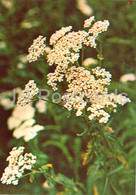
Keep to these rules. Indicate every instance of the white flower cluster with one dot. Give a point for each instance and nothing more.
(66, 52)
(84, 7)
(5, 100)
(22, 122)
(82, 87)
(99, 27)
(85, 89)
(88, 21)
(56, 36)
(19, 115)
(66, 48)
(37, 49)
(104, 103)
(89, 90)
(18, 163)
(27, 130)
(28, 93)
(128, 77)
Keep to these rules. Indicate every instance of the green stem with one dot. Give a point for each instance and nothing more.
(100, 53)
(97, 50)
(107, 142)
(78, 64)
(102, 134)
(82, 55)
(88, 125)
(105, 186)
(32, 171)
(76, 174)
(87, 129)
(52, 102)
(25, 175)
(116, 170)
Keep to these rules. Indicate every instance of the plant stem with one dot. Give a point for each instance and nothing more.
(105, 186)
(78, 64)
(52, 102)
(102, 134)
(88, 125)
(100, 60)
(25, 175)
(116, 170)
(32, 171)
(82, 55)
(97, 50)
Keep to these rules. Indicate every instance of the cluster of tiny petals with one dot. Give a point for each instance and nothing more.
(28, 93)
(67, 48)
(104, 77)
(58, 34)
(82, 86)
(99, 27)
(90, 41)
(85, 89)
(67, 51)
(100, 102)
(88, 22)
(18, 163)
(37, 49)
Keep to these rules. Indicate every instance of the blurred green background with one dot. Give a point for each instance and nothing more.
(21, 21)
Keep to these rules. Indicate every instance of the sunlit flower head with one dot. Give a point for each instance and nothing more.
(99, 27)
(18, 163)
(58, 34)
(89, 21)
(28, 93)
(37, 49)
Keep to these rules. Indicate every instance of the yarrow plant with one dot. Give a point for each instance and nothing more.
(84, 91)
(18, 163)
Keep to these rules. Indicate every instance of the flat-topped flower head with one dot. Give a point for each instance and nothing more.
(28, 93)
(58, 34)
(37, 49)
(18, 163)
(89, 92)
(99, 27)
